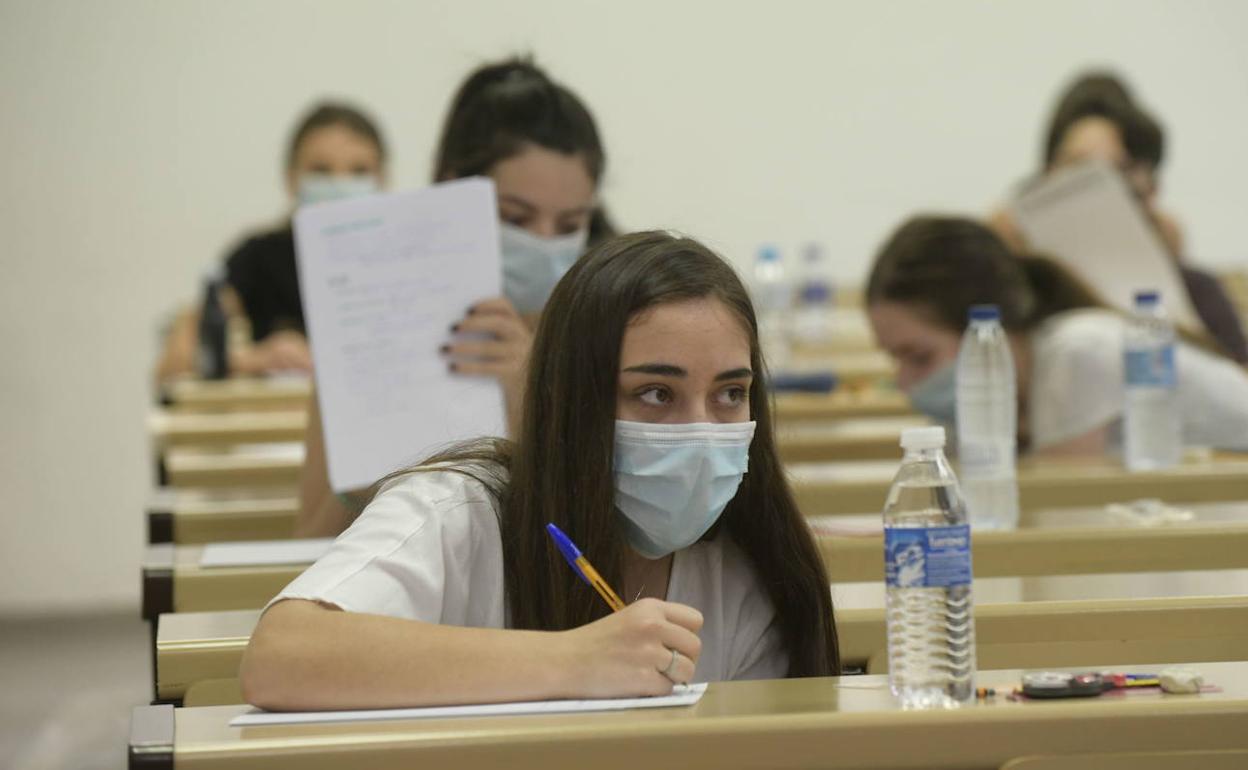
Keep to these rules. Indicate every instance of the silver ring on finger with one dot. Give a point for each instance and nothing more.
(667, 672)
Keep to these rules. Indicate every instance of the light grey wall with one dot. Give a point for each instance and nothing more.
(141, 138)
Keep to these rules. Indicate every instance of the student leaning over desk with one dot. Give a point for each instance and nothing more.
(538, 142)
(1067, 345)
(336, 151)
(645, 407)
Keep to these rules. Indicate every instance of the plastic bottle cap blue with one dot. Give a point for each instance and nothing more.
(984, 313)
(769, 254)
(1147, 297)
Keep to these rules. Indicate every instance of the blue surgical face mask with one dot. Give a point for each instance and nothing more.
(532, 265)
(319, 188)
(937, 396)
(673, 481)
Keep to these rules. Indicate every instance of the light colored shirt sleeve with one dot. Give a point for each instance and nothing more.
(417, 551)
(1076, 376)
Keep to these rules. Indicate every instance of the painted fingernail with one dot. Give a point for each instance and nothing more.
(444, 349)
(472, 309)
(452, 367)
(454, 327)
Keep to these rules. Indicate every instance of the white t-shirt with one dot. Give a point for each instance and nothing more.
(428, 548)
(1077, 384)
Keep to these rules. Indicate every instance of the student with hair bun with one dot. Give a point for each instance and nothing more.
(1067, 345)
(648, 439)
(539, 144)
(335, 151)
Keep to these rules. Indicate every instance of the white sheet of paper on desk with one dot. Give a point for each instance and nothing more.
(383, 278)
(1085, 218)
(684, 695)
(264, 553)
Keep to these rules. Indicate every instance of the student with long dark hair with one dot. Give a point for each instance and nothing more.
(538, 142)
(335, 151)
(1067, 345)
(647, 438)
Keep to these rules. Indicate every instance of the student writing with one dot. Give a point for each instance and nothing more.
(647, 438)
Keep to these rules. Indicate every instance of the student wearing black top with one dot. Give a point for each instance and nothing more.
(335, 152)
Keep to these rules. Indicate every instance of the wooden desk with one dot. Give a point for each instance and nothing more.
(854, 488)
(195, 516)
(862, 438)
(194, 647)
(174, 581)
(168, 428)
(242, 393)
(840, 404)
(244, 465)
(1067, 551)
(851, 722)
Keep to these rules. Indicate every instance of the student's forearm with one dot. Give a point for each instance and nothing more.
(305, 657)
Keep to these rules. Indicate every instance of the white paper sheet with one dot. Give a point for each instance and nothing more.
(1085, 218)
(684, 695)
(383, 278)
(262, 553)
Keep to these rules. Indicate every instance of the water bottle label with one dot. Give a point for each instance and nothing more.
(1151, 368)
(927, 557)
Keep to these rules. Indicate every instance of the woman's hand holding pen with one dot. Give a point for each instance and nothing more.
(630, 653)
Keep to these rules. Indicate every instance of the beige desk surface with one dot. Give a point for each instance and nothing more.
(840, 404)
(244, 465)
(238, 393)
(194, 647)
(859, 438)
(861, 487)
(828, 723)
(222, 515)
(1087, 541)
(802, 419)
(1054, 543)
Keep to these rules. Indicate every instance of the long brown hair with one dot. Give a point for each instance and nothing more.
(561, 465)
(505, 106)
(944, 265)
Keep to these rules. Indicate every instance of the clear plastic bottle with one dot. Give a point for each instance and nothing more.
(987, 421)
(927, 567)
(1152, 433)
(773, 299)
(213, 362)
(812, 316)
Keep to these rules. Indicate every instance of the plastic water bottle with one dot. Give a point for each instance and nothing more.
(927, 567)
(1152, 437)
(213, 363)
(987, 416)
(812, 317)
(773, 299)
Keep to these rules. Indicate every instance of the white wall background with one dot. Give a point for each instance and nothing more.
(139, 139)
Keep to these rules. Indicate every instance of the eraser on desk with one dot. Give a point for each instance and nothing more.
(1180, 680)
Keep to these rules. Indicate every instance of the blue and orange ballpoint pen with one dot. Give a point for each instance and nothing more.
(583, 568)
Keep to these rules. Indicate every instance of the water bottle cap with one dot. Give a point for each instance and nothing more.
(1147, 297)
(928, 437)
(768, 254)
(984, 313)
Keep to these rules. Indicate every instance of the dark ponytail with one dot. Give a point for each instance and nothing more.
(503, 107)
(944, 265)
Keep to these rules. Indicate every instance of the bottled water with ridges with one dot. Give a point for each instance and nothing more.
(927, 559)
(1151, 427)
(987, 414)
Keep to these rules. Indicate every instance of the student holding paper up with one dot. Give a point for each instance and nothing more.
(1067, 346)
(647, 439)
(538, 142)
